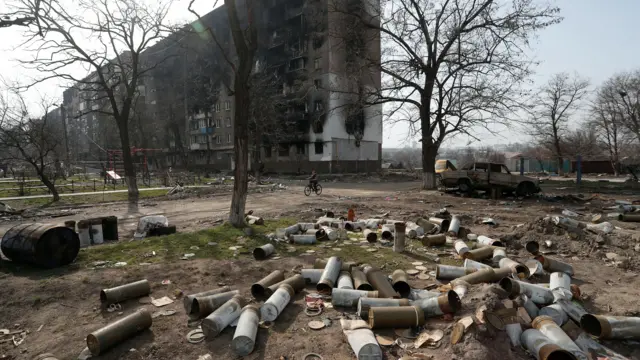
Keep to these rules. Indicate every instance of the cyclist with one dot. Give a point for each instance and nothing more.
(313, 180)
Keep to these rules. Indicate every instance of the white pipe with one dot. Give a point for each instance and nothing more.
(329, 275)
(349, 297)
(311, 276)
(538, 294)
(303, 239)
(344, 280)
(498, 254)
(551, 330)
(461, 248)
(414, 230)
(244, 338)
(272, 308)
(487, 241)
(514, 331)
(472, 264)
(332, 234)
(573, 310)
(533, 340)
(448, 272)
(454, 226)
(364, 344)
(556, 313)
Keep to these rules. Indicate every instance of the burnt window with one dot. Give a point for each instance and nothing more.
(319, 147)
(300, 149)
(283, 150)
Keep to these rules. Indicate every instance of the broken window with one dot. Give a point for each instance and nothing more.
(296, 64)
(267, 151)
(218, 140)
(202, 123)
(283, 150)
(319, 147)
(300, 149)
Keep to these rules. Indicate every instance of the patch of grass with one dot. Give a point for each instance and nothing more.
(81, 199)
(173, 247)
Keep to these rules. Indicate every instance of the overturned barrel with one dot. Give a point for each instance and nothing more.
(262, 252)
(360, 281)
(297, 282)
(365, 303)
(395, 317)
(244, 338)
(102, 339)
(611, 327)
(222, 317)
(258, 289)
(125, 292)
(202, 306)
(187, 301)
(380, 283)
(42, 245)
(448, 303)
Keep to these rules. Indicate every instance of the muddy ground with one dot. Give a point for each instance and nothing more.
(65, 302)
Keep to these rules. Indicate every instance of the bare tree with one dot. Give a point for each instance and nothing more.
(459, 63)
(241, 62)
(552, 108)
(581, 141)
(31, 139)
(607, 115)
(106, 37)
(627, 86)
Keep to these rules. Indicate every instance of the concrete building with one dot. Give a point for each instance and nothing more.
(186, 112)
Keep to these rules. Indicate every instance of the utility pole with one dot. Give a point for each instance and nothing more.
(63, 113)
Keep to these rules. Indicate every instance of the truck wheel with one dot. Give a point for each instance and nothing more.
(465, 185)
(526, 189)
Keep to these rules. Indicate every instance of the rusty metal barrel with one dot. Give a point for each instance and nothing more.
(102, 339)
(43, 245)
(110, 228)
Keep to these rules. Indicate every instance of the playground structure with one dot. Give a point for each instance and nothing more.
(115, 158)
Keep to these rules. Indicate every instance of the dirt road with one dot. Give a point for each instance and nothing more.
(194, 213)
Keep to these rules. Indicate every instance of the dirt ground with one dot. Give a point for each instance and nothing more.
(65, 302)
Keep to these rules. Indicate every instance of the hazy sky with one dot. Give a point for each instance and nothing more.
(596, 39)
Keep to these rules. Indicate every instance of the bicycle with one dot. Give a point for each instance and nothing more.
(308, 189)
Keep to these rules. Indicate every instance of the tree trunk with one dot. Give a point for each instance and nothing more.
(129, 169)
(52, 188)
(429, 149)
(560, 166)
(241, 151)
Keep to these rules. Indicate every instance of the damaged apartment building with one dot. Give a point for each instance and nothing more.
(313, 115)
(310, 112)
